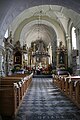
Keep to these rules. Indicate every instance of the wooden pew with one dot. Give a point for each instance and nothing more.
(8, 98)
(15, 83)
(55, 79)
(7, 82)
(70, 86)
(59, 81)
(21, 83)
(77, 90)
(18, 75)
(63, 84)
(10, 85)
(74, 89)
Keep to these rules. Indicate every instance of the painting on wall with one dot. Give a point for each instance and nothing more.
(61, 58)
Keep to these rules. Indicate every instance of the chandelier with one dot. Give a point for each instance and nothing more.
(41, 50)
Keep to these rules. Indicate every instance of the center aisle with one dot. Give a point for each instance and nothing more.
(44, 101)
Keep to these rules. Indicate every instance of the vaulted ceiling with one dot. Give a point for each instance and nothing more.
(23, 16)
(50, 21)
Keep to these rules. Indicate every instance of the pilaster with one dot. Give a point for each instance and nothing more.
(68, 41)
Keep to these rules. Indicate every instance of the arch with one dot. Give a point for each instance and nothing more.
(51, 22)
(14, 8)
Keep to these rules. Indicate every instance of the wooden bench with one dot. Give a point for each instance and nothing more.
(58, 80)
(16, 83)
(12, 91)
(11, 80)
(73, 88)
(18, 75)
(8, 100)
(70, 86)
(18, 78)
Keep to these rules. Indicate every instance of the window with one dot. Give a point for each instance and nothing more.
(6, 34)
(73, 38)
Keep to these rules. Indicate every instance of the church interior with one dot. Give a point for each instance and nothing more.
(40, 60)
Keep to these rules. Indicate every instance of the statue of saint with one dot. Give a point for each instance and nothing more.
(60, 44)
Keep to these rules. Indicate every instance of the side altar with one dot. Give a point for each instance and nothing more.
(62, 61)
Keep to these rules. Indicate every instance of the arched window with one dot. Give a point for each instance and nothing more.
(73, 38)
(6, 34)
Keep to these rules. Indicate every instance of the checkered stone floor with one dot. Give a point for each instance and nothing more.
(44, 101)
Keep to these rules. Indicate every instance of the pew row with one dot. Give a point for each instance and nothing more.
(12, 92)
(18, 75)
(8, 100)
(70, 86)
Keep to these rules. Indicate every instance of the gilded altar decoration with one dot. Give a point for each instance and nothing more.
(61, 56)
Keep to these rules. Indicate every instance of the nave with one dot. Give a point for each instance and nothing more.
(44, 101)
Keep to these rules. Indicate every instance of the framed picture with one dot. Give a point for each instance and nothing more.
(61, 58)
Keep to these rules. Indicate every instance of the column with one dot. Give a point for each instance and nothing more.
(57, 59)
(6, 62)
(68, 40)
(78, 44)
(34, 52)
(1, 55)
(0, 63)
